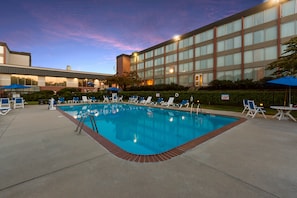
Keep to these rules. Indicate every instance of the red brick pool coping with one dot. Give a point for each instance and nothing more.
(117, 151)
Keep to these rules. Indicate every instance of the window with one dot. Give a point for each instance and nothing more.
(270, 14)
(25, 79)
(140, 57)
(141, 74)
(186, 55)
(149, 54)
(254, 73)
(159, 71)
(186, 42)
(248, 39)
(207, 78)
(204, 64)
(258, 55)
(204, 36)
(171, 79)
(204, 50)
(159, 61)
(171, 47)
(233, 75)
(186, 80)
(149, 63)
(171, 69)
(229, 44)
(159, 81)
(270, 33)
(59, 81)
(186, 67)
(229, 28)
(289, 8)
(171, 58)
(159, 51)
(288, 29)
(248, 56)
(229, 60)
(149, 73)
(271, 53)
(140, 66)
(258, 36)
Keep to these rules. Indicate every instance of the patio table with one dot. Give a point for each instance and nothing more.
(283, 112)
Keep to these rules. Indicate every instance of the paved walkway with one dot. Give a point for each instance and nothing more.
(42, 157)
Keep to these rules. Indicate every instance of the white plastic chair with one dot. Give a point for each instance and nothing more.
(169, 102)
(254, 109)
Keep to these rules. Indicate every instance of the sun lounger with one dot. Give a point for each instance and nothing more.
(169, 102)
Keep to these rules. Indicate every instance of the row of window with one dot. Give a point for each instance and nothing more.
(233, 75)
(287, 29)
(49, 81)
(262, 54)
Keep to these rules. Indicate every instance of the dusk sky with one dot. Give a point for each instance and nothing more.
(89, 34)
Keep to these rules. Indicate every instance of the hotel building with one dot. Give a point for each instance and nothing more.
(235, 48)
(15, 68)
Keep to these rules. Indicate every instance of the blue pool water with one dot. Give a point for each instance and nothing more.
(147, 130)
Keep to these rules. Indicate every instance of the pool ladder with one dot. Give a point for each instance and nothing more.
(198, 109)
(83, 117)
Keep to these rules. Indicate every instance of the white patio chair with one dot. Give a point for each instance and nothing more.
(253, 109)
(245, 105)
(169, 102)
(18, 103)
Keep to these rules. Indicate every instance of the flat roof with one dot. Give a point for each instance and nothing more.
(39, 71)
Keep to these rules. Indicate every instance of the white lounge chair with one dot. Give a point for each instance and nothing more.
(159, 101)
(61, 100)
(120, 99)
(183, 103)
(18, 103)
(85, 99)
(75, 99)
(133, 99)
(4, 110)
(4, 103)
(245, 105)
(4, 106)
(147, 101)
(105, 99)
(141, 100)
(114, 97)
(254, 109)
(169, 102)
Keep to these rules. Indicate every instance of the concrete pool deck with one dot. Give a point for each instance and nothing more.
(41, 156)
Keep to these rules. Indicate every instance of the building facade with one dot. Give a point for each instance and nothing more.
(15, 68)
(235, 48)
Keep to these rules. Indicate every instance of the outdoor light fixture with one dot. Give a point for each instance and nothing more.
(176, 37)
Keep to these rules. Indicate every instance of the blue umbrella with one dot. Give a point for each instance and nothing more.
(15, 86)
(112, 89)
(288, 81)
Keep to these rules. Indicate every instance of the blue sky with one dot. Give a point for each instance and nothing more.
(89, 34)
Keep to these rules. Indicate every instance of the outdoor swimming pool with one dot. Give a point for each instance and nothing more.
(144, 130)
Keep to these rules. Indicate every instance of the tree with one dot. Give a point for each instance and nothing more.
(125, 80)
(286, 64)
